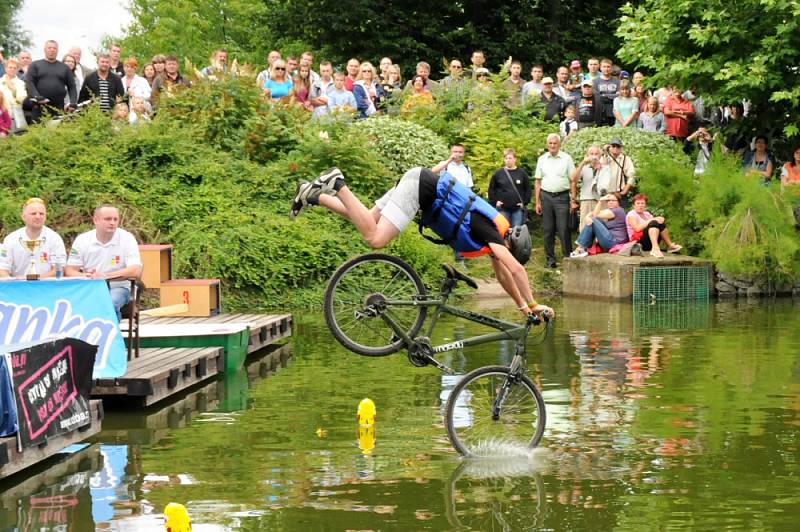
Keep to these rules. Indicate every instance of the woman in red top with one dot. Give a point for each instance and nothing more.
(678, 111)
(649, 229)
(790, 173)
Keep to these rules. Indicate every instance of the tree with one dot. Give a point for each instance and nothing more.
(549, 32)
(12, 37)
(408, 30)
(194, 28)
(729, 52)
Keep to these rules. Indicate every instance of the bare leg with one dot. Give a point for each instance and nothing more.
(511, 274)
(665, 237)
(376, 231)
(652, 233)
(332, 203)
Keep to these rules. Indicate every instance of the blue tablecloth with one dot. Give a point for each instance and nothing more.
(74, 308)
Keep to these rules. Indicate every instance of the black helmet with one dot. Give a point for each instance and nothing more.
(519, 242)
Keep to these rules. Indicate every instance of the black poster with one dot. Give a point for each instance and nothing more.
(52, 386)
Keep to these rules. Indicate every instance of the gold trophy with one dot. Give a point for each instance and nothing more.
(33, 247)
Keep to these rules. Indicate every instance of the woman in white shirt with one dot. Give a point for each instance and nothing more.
(15, 93)
(135, 85)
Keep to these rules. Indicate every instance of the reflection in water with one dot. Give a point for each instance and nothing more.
(689, 423)
(56, 498)
(498, 493)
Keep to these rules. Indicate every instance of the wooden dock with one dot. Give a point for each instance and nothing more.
(12, 461)
(224, 330)
(161, 372)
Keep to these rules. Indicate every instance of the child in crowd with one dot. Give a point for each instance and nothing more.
(569, 125)
(119, 112)
(138, 113)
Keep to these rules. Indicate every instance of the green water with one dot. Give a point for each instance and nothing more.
(659, 417)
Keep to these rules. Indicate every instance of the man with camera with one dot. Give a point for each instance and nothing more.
(623, 173)
(593, 174)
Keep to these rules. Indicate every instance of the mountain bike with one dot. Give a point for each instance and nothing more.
(376, 304)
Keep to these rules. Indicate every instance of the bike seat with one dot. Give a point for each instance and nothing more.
(452, 273)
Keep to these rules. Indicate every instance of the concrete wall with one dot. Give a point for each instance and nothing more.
(609, 276)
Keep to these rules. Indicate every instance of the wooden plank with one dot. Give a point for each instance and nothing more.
(172, 357)
(152, 375)
(17, 461)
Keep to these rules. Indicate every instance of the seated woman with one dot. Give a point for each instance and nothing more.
(606, 223)
(648, 229)
(759, 161)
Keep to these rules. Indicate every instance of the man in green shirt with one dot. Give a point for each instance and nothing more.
(556, 195)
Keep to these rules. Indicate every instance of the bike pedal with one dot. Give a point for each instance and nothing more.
(440, 366)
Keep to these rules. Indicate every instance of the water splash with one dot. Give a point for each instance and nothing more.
(498, 458)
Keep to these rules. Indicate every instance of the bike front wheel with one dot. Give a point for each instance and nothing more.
(361, 291)
(471, 424)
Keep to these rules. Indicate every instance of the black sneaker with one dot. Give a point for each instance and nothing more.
(305, 195)
(330, 181)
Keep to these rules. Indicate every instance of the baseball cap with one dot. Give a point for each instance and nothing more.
(587, 83)
(575, 64)
(547, 80)
(624, 74)
(616, 142)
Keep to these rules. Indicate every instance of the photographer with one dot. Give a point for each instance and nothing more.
(623, 173)
(705, 143)
(591, 172)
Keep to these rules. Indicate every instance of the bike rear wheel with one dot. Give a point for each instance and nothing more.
(360, 291)
(468, 413)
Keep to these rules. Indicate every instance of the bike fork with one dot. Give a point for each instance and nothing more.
(513, 377)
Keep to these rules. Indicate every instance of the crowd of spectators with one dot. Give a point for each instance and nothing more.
(602, 95)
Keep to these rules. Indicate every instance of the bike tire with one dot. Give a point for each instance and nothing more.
(471, 429)
(367, 276)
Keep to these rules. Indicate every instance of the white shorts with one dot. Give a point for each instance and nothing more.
(401, 203)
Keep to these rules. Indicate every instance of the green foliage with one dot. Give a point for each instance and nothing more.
(194, 28)
(402, 144)
(12, 37)
(639, 145)
(478, 116)
(530, 31)
(747, 51)
(747, 228)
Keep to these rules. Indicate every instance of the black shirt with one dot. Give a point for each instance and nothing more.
(51, 80)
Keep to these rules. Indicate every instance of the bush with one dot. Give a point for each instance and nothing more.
(401, 144)
(639, 145)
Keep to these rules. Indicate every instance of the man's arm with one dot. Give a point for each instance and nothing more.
(86, 91)
(441, 166)
(132, 271)
(73, 93)
(31, 78)
(537, 187)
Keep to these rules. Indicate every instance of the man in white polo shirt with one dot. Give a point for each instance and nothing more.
(455, 166)
(556, 195)
(107, 252)
(15, 259)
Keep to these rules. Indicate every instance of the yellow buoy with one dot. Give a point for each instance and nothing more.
(177, 518)
(366, 412)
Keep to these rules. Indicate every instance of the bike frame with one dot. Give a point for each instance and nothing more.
(506, 330)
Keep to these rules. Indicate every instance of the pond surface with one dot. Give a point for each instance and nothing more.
(659, 417)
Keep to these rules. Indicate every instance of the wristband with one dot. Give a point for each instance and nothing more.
(532, 304)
